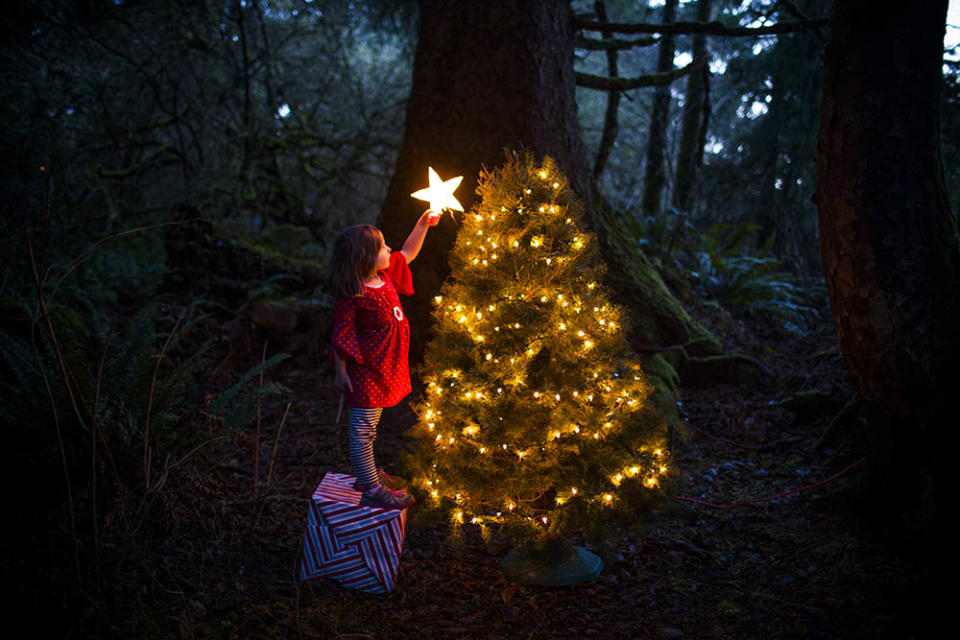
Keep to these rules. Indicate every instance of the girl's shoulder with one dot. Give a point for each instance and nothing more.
(398, 274)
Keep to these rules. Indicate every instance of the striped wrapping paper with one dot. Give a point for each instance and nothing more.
(356, 545)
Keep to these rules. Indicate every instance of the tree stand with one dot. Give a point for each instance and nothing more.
(551, 563)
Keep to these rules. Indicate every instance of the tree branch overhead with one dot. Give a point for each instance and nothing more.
(602, 83)
(714, 28)
(583, 42)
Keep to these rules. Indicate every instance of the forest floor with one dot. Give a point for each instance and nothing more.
(221, 563)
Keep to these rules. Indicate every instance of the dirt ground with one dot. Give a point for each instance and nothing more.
(214, 561)
(804, 565)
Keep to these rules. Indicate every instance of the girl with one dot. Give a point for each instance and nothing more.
(371, 338)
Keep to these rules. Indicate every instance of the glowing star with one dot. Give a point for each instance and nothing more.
(440, 192)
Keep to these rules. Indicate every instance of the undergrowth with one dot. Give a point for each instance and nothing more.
(724, 268)
(99, 396)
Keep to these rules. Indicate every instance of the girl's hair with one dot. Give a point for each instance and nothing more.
(354, 258)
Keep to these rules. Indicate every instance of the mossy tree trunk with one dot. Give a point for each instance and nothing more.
(889, 240)
(496, 76)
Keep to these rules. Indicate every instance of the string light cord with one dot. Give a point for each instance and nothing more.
(848, 469)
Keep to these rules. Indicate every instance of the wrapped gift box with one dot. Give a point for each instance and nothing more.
(356, 545)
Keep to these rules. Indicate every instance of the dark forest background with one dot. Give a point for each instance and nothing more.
(174, 173)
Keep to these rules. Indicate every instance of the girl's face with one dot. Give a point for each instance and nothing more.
(383, 258)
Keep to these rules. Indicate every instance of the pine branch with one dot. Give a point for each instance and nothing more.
(590, 81)
(714, 28)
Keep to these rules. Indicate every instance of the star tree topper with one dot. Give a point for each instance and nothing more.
(440, 192)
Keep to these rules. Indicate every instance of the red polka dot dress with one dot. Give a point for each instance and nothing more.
(372, 336)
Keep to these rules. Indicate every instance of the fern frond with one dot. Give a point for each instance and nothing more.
(227, 396)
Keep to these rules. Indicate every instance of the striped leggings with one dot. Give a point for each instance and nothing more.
(363, 431)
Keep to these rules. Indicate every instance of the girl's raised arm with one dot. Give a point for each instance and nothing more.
(411, 247)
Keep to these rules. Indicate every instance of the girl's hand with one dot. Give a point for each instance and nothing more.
(341, 382)
(431, 217)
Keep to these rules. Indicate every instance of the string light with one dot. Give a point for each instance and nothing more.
(535, 343)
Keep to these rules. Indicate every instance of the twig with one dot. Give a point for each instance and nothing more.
(256, 444)
(779, 495)
(85, 253)
(276, 442)
(93, 444)
(63, 455)
(280, 497)
(835, 421)
(153, 384)
(743, 445)
(273, 458)
(61, 361)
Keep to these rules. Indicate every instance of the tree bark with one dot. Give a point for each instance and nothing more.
(654, 177)
(495, 76)
(695, 115)
(889, 240)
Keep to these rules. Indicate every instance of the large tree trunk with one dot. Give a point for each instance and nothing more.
(495, 76)
(695, 116)
(655, 175)
(889, 241)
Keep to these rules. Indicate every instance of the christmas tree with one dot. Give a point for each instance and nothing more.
(532, 415)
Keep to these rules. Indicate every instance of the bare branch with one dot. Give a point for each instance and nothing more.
(590, 81)
(583, 42)
(714, 28)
